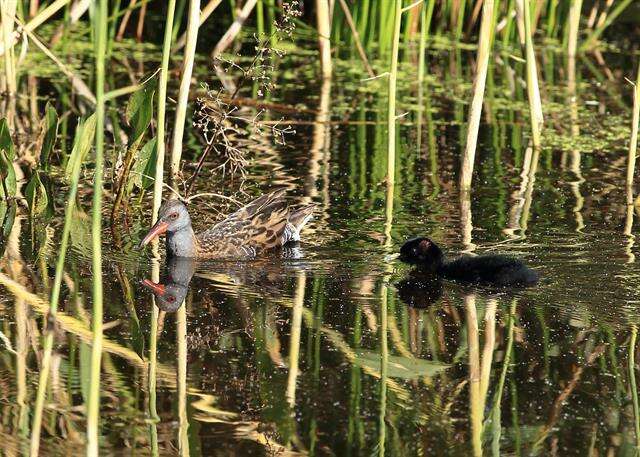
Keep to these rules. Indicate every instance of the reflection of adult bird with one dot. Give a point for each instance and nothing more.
(419, 290)
(170, 294)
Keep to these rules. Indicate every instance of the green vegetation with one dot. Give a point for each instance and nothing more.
(397, 117)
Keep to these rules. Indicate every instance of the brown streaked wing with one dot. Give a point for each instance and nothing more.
(259, 225)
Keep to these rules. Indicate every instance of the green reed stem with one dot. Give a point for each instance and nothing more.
(162, 107)
(393, 77)
(157, 200)
(179, 12)
(53, 310)
(460, 20)
(260, 18)
(551, 17)
(185, 83)
(271, 17)
(426, 14)
(93, 407)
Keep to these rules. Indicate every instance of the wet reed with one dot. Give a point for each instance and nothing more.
(93, 406)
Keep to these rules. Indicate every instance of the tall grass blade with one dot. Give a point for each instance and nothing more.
(393, 78)
(93, 406)
(78, 154)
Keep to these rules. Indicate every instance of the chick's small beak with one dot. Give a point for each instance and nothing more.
(157, 289)
(158, 229)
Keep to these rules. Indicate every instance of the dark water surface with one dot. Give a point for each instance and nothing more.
(320, 352)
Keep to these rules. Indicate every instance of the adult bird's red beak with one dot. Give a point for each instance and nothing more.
(158, 229)
(158, 289)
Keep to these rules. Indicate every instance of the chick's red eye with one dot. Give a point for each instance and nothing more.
(171, 299)
(173, 216)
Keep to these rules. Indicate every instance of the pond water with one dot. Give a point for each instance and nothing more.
(337, 348)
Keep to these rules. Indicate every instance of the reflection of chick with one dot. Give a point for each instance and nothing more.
(170, 294)
(419, 290)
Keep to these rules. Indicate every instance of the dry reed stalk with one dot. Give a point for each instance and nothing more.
(78, 84)
(356, 38)
(574, 27)
(323, 21)
(633, 144)
(185, 84)
(125, 20)
(7, 13)
(233, 31)
(609, 18)
(204, 15)
(475, 111)
(523, 11)
(36, 22)
(34, 5)
(141, 18)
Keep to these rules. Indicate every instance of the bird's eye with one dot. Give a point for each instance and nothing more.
(171, 298)
(173, 216)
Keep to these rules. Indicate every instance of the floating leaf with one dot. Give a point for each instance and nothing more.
(140, 111)
(145, 165)
(50, 130)
(81, 144)
(36, 195)
(400, 367)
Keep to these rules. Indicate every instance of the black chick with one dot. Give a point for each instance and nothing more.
(495, 270)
